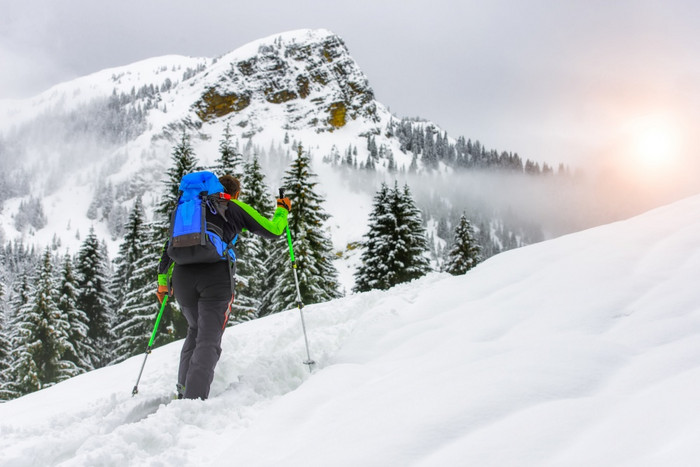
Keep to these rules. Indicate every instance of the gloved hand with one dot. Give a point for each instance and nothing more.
(284, 203)
(162, 291)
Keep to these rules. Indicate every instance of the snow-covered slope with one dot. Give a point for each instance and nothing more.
(584, 350)
(71, 95)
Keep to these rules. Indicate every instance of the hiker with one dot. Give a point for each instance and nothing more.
(204, 290)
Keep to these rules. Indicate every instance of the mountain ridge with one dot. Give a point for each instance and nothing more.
(212, 75)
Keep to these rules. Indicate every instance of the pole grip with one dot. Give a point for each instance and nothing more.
(281, 193)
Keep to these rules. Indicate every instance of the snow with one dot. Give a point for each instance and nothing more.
(583, 350)
(293, 36)
(71, 94)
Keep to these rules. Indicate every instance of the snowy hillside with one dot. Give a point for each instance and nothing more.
(583, 350)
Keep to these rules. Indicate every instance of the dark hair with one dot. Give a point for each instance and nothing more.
(230, 183)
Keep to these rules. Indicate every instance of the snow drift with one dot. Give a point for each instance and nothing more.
(583, 350)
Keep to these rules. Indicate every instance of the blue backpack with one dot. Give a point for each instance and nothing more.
(196, 237)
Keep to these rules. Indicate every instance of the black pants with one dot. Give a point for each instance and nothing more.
(203, 292)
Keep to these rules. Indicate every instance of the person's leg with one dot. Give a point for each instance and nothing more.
(203, 292)
(184, 287)
(207, 350)
(214, 288)
(188, 347)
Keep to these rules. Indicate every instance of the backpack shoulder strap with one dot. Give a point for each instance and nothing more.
(218, 203)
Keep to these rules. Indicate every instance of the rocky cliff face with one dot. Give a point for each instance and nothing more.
(305, 78)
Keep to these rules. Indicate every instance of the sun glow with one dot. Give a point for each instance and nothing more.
(649, 163)
(654, 142)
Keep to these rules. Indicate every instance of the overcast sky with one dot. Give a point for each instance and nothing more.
(552, 80)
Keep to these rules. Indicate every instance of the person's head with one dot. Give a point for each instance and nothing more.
(231, 185)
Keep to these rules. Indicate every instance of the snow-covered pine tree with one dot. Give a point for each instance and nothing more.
(318, 277)
(93, 209)
(30, 214)
(4, 344)
(252, 250)
(22, 375)
(429, 157)
(130, 250)
(79, 349)
(230, 160)
(373, 272)
(391, 164)
(413, 167)
(42, 337)
(23, 290)
(464, 253)
(443, 230)
(116, 221)
(137, 313)
(395, 247)
(95, 298)
(21, 263)
(412, 245)
(106, 197)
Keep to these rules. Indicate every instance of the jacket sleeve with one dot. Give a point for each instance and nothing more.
(165, 266)
(245, 217)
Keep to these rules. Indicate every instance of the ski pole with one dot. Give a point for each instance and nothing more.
(150, 345)
(300, 304)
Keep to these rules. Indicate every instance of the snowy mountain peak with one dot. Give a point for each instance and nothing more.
(305, 78)
(298, 79)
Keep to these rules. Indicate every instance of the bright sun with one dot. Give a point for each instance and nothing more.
(655, 142)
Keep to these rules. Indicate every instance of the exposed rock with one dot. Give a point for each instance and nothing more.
(212, 104)
(314, 71)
